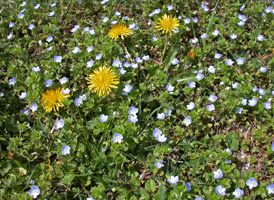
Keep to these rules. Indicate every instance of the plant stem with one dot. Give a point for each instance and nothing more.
(165, 48)
(127, 52)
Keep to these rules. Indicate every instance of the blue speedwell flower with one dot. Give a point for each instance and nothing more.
(220, 190)
(33, 107)
(192, 84)
(270, 189)
(267, 105)
(65, 150)
(252, 102)
(175, 61)
(272, 147)
(127, 89)
(211, 69)
(238, 193)
(218, 174)
(170, 88)
(190, 106)
(161, 138)
(34, 191)
(159, 164)
(117, 137)
(212, 98)
(251, 183)
(103, 118)
(161, 116)
(57, 59)
(23, 95)
(173, 179)
(188, 186)
(157, 132)
(12, 81)
(187, 121)
(229, 62)
(199, 198)
(210, 107)
(59, 124)
(48, 83)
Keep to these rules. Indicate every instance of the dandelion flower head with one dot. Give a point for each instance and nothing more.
(167, 24)
(102, 80)
(119, 30)
(52, 100)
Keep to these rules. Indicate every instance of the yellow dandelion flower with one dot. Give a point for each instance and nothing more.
(52, 100)
(167, 24)
(119, 30)
(191, 54)
(102, 80)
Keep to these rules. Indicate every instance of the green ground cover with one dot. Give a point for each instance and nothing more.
(136, 99)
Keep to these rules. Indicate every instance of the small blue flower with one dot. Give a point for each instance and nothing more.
(235, 85)
(267, 105)
(34, 191)
(76, 50)
(252, 102)
(260, 38)
(31, 26)
(57, 59)
(132, 118)
(216, 32)
(220, 190)
(103, 118)
(51, 13)
(65, 150)
(161, 116)
(187, 21)
(117, 137)
(170, 7)
(192, 84)
(190, 106)
(272, 147)
(211, 69)
(127, 89)
(90, 198)
(66, 91)
(49, 39)
(23, 95)
(48, 83)
(170, 88)
(239, 110)
(270, 189)
(187, 121)
(90, 63)
(98, 56)
(161, 138)
(63, 80)
(251, 183)
(210, 107)
(188, 186)
(240, 61)
(91, 32)
(33, 107)
(212, 98)
(105, 19)
(145, 58)
(261, 91)
(9, 36)
(194, 40)
(12, 81)
(238, 193)
(199, 198)
(241, 23)
(59, 124)
(37, 6)
(133, 110)
(25, 112)
(21, 15)
(89, 49)
(157, 132)
(159, 164)
(200, 76)
(195, 19)
(175, 61)
(228, 151)
(218, 55)
(204, 36)
(233, 36)
(116, 63)
(75, 28)
(218, 174)
(173, 179)
(242, 7)
(263, 69)
(255, 89)
(229, 62)
(11, 24)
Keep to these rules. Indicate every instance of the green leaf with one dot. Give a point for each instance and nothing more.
(232, 141)
(68, 178)
(150, 185)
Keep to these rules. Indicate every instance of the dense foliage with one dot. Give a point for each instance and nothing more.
(175, 106)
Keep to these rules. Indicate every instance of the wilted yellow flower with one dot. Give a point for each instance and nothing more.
(191, 54)
(167, 24)
(119, 30)
(102, 80)
(52, 100)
